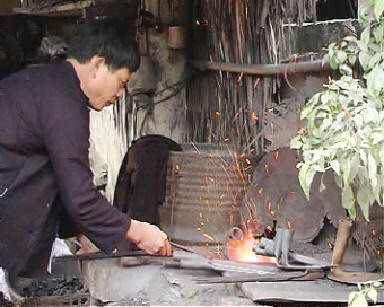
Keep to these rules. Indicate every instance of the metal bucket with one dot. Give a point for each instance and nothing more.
(205, 189)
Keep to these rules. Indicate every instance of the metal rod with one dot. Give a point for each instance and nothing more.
(182, 247)
(101, 255)
(263, 69)
(252, 277)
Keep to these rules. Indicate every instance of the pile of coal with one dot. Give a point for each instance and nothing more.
(52, 287)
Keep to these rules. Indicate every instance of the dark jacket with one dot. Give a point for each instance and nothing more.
(140, 186)
(45, 177)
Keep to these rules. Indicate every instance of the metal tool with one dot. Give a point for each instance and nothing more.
(182, 247)
(101, 255)
(189, 260)
(272, 276)
(286, 259)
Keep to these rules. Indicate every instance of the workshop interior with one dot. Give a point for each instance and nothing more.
(200, 144)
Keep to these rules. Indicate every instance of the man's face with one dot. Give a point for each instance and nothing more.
(105, 85)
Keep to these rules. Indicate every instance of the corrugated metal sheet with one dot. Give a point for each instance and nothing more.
(204, 192)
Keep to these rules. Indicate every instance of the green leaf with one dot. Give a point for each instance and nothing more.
(350, 39)
(377, 137)
(355, 163)
(362, 13)
(370, 115)
(352, 212)
(359, 301)
(375, 81)
(347, 197)
(296, 142)
(306, 174)
(352, 59)
(342, 56)
(310, 175)
(334, 62)
(379, 189)
(352, 296)
(378, 8)
(363, 157)
(374, 60)
(364, 37)
(372, 170)
(302, 179)
(335, 165)
(363, 199)
(378, 33)
(372, 294)
(364, 58)
(359, 120)
(345, 70)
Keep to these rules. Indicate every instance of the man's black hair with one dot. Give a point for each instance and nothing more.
(109, 38)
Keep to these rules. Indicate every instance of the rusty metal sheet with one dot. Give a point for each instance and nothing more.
(275, 194)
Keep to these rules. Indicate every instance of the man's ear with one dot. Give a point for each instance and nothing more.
(97, 62)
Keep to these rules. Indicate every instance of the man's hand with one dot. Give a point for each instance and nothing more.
(149, 238)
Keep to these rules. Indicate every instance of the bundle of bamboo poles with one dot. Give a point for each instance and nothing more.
(226, 106)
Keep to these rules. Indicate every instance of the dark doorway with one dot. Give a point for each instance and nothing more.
(336, 9)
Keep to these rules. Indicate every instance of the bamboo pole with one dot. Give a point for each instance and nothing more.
(263, 69)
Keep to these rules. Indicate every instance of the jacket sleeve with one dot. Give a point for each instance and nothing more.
(65, 126)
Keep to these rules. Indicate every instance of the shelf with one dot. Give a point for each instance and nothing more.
(67, 9)
(82, 8)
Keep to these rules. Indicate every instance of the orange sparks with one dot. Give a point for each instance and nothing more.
(242, 250)
(240, 78)
(276, 155)
(202, 22)
(208, 237)
(260, 191)
(254, 116)
(266, 169)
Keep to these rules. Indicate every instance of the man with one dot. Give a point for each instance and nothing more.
(46, 186)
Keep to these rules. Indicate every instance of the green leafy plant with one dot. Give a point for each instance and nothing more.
(367, 291)
(345, 121)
